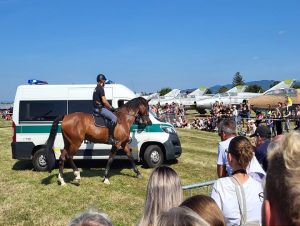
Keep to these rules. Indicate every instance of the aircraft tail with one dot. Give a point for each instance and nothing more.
(199, 92)
(237, 89)
(285, 84)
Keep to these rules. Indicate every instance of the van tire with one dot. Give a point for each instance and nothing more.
(153, 156)
(39, 160)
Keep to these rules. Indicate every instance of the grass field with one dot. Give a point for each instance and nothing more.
(34, 198)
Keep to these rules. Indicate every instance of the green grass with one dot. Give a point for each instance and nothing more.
(4, 123)
(34, 198)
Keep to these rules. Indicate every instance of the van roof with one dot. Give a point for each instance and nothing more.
(61, 91)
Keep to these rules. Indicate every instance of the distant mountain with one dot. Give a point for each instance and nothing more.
(265, 84)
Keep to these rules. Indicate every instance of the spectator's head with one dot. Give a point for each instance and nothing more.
(207, 208)
(227, 129)
(279, 104)
(282, 189)
(181, 216)
(91, 218)
(164, 191)
(261, 133)
(240, 152)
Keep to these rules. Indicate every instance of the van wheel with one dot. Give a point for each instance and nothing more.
(39, 160)
(153, 156)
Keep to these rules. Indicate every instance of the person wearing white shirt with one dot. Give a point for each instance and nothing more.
(240, 153)
(227, 131)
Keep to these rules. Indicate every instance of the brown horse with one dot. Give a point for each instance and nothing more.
(79, 126)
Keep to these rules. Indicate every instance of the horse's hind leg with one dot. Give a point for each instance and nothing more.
(75, 169)
(112, 154)
(62, 160)
(130, 157)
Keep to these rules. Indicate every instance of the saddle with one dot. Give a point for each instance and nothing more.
(100, 121)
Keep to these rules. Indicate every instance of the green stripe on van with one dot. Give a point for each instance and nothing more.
(36, 129)
(154, 128)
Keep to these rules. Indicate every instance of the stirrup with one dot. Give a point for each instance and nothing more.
(111, 141)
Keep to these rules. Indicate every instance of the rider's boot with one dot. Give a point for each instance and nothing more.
(111, 128)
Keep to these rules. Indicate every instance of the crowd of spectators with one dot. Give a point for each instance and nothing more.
(237, 198)
(171, 113)
(277, 119)
(250, 175)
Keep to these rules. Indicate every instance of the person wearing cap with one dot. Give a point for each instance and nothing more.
(263, 139)
(103, 108)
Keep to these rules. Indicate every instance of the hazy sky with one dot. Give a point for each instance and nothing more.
(147, 45)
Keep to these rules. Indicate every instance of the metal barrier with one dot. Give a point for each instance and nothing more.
(198, 188)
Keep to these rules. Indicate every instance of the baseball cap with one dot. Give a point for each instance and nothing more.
(262, 131)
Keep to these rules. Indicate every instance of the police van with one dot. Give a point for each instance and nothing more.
(36, 106)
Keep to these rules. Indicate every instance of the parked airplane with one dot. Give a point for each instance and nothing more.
(231, 97)
(272, 98)
(188, 100)
(164, 99)
(206, 101)
(151, 96)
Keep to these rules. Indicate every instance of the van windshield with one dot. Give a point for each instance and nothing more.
(154, 115)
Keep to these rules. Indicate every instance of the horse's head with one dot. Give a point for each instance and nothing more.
(143, 111)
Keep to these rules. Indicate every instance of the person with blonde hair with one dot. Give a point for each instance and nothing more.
(238, 195)
(164, 191)
(180, 216)
(207, 208)
(91, 218)
(282, 189)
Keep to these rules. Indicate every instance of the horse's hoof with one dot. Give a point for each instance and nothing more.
(106, 181)
(63, 184)
(77, 182)
(139, 176)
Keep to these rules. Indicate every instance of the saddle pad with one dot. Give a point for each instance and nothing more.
(99, 121)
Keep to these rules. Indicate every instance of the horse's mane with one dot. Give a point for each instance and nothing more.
(134, 103)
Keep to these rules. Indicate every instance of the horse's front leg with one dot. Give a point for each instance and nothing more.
(112, 154)
(128, 152)
(75, 169)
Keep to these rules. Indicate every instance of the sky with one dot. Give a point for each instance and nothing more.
(147, 45)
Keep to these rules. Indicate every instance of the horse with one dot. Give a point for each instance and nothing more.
(77, 127)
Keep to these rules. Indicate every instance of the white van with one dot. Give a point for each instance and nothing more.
(36, 106)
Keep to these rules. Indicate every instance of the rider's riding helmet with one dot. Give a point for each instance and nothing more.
(101, 77)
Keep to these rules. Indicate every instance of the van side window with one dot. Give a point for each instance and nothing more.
(121, 102)
(41, 110)
(80, 106)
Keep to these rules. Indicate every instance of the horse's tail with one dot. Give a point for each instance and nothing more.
(50, 143)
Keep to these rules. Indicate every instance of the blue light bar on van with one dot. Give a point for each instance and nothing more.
(109, 82)
(36, 82)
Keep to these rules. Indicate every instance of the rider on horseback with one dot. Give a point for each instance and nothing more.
(102, 107)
